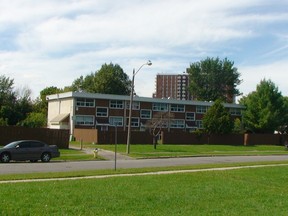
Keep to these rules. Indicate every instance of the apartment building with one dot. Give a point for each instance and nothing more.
(84, 110)
(172, 86)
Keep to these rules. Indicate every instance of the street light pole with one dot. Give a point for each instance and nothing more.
(149, 63)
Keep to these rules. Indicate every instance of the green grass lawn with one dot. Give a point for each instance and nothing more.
(147, 151)
(249, 191)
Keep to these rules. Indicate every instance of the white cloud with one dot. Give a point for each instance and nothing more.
(54, 42)
(276, 72)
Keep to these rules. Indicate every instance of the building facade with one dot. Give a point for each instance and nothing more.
(83, 110)
(172, 86)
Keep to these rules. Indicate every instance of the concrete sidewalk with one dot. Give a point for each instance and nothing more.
(107, 155)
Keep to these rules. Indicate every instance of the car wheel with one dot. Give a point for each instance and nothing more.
(5, 157)
(45, 157)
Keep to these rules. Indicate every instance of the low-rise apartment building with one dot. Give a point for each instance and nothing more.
(84, 110)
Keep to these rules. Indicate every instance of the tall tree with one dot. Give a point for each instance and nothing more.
(110, 79)
(7, 100)
(14, 105)
(266, 108)
(213, 79)
(6, 90)
(217, 120)
(84, 83)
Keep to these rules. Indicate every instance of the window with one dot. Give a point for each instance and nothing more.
(145, 114)
(160, 107)
(177, 108)
(201, 109)
(35, 144)
(116, 104)
(85, 102)
(190, 116)
(134, 122)
(24, 145)
(199, 124)
(135, 105)
(84, 120)
(177, 123)
(101, 111)
(116, 120)
(235, 111)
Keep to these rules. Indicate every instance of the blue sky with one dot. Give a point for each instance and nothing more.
(51, 42)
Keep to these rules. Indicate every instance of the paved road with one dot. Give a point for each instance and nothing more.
(24, 167)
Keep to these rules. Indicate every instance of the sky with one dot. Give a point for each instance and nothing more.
(51, 42)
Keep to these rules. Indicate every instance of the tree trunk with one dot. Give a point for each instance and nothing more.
(155, 141)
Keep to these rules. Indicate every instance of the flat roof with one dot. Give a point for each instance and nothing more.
(84, 94)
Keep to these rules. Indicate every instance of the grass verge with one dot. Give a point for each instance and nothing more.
(251, 191)
(147, 151)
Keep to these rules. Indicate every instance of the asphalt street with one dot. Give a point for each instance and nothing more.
(61, 166)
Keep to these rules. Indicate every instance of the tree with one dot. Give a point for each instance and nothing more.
(22, 108)
(110, 79)
(3, 122)
(84, 83)
(14, 106)
(6, 90)
(34, 120)
(283, 129)
(213, 79)
(266, 109)
(159, 121)
(217, 120)
(238, 127)
(38, 116)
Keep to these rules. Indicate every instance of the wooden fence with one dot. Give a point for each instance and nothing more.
(57, 137)
(138, 137)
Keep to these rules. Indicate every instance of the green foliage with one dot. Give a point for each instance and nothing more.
(34, 120)
(17, 108)
(38, 116)
(7, 99)
(266, 109)
(49, 91)
(110, 79)
(283, 129)
(3, 122)
(217, 120)
(82, 83)
(6, 90)
(14, 106)
(198, 132)
(213, 79)
(238, 128)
